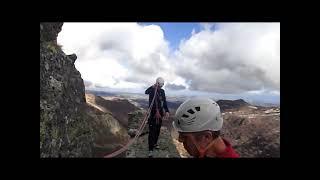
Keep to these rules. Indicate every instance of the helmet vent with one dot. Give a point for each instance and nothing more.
(197, 108)
(190, 122)
(190, 111)
(185, 116)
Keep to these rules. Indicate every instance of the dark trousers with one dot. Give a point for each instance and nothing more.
(154, 131)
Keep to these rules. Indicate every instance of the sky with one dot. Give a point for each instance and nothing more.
(175, 32)
(224, 60)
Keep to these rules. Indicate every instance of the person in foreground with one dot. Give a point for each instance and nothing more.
(199, 121)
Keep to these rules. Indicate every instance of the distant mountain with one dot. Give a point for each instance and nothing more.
(174, 104)
(144, 103)
(265, 104)
(231, 104)
(174, 101)
(100, 93)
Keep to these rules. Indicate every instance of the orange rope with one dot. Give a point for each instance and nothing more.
(117, 152)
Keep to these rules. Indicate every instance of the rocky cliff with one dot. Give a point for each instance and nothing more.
(69, 127)
(64, 128)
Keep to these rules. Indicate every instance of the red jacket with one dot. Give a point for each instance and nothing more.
(229, 151)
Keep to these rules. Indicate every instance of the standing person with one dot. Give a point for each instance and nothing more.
(199, 121)
(157, 113)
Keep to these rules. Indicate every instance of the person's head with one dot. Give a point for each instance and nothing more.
(160, 81)
(198, 121)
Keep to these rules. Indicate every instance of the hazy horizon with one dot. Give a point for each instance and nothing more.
(267, 100)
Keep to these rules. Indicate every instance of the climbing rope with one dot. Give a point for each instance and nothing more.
(158, 116)
(143, 124)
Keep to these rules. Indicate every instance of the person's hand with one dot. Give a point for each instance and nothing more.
(167, 116)
(157, 84)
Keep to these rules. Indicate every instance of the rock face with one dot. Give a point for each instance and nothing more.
(69, 126)
(49, 31)
(64, 126)
(134, 122)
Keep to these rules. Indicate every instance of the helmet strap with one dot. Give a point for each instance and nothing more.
(202, 151)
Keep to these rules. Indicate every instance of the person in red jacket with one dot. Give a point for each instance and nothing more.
(199, 121)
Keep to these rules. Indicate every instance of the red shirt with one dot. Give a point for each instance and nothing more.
(229, 151)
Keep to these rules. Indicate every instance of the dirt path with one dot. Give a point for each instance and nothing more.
(169, 146)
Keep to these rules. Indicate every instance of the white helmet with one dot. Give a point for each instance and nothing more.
(198, 114)
(160, 80)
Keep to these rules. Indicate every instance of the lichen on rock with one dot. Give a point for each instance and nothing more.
(60, 136)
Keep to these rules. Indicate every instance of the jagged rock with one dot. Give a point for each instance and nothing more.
(64, 127)
(73, 57)
(49, 31)
(69, 127)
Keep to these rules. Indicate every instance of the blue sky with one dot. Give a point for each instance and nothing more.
(175, 32)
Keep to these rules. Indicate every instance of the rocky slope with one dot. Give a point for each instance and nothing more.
(118, 107)
(109, 134)
(254, 133)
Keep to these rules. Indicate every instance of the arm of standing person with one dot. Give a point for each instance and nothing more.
(165, 106)
(149, 90)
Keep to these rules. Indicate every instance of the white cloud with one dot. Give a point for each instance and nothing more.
(234, 58)
(118, 55)
(174, 87)
(104, 72)
(87, 83)
(238, 57)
